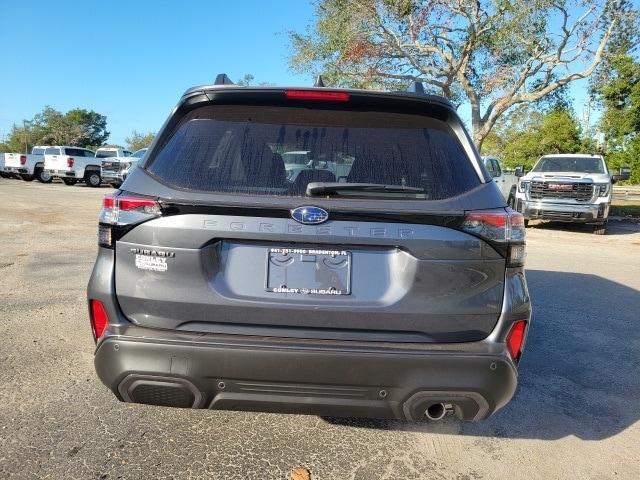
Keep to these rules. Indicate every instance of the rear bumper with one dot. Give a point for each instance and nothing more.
(110, 176)
(563, 212)
(62, 173)
(18, 170)
(354, 379)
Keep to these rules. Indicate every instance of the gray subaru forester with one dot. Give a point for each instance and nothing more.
(311, 250)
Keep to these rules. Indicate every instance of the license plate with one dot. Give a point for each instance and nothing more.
(308, 271)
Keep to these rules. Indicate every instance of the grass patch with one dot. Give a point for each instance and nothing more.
(625, 208)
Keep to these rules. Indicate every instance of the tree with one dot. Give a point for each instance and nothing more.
(246, 80)
(78, 127)
(527, 134)
(491, 54)
(138, 140)
(249, 79)
(620, 122)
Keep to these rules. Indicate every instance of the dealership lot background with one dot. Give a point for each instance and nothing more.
(576, 413)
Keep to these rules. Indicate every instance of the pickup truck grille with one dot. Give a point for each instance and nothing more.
(581, 192)
(114, 167)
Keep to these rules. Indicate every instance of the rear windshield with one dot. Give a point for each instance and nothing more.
(570, 164)
(106, 153)
(38, 151)
(52, 151)
(279, 150)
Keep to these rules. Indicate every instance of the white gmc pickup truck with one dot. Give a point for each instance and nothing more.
(568, 188)
(73, 164)
(114, 161)
(27, 166)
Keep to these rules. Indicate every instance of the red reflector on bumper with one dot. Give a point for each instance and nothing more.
(99, 318)
(515, 338)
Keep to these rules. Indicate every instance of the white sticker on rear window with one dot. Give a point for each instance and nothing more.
(147, 262)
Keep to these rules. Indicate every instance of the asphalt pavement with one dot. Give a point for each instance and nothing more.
(576, 413)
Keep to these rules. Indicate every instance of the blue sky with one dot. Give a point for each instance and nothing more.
(131, 60)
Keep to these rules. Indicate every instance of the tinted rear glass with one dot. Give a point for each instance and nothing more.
(52, 151)
(570, 164)
(38, 151)
(75, 152)
(279, 150)
(107, 153)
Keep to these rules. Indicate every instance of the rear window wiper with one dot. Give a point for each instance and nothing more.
(319, 188)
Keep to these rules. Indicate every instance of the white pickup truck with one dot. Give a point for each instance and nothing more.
(27, 166)
(573, 188)
(114, 161)
(73, 164)
(506, 182)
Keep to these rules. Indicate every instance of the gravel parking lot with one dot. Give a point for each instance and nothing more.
(576, 413)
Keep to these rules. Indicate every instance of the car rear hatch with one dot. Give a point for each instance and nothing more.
(211, 236)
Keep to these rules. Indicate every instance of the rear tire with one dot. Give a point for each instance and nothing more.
(43, 176)
(93, 179)
(27, 178)
(5, 175)
(69, 181)
(600, 229)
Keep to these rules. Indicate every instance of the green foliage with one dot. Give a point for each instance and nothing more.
(138, 140)
(620, 97)
(78, 127)
(621, 100)
(529, 134)
(627, 157)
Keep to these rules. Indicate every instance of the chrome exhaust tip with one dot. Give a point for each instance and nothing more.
(435, 411)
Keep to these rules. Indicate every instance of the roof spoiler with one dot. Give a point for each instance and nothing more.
(223, 79)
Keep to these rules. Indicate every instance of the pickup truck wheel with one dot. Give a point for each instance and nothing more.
(93, 179)
(69, 181)
(27, 178)
(43, 176)
(600, 229)
(5, 175)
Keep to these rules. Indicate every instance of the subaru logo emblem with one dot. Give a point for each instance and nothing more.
(309, 215)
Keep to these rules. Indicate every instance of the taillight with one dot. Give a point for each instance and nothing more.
(23, 159)
(98, 317)
(122, 210)
(70, 162)
(503, 228)
(317, 95)
(515, 338)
